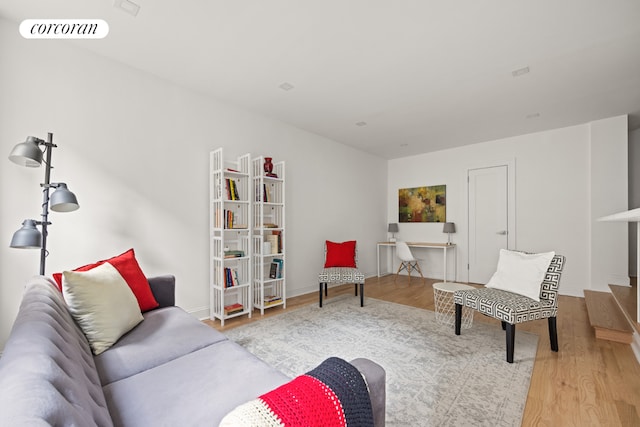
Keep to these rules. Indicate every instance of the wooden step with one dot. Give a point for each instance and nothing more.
(606, 318)
(627, 299)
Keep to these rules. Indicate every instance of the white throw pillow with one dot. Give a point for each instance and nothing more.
(521, 273)
(102, 304)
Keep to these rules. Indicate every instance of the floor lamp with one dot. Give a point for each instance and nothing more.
(29, 154)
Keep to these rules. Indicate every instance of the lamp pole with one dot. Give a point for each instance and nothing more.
(45, 201)
(30, 154)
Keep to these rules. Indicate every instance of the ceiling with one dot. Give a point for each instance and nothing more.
(392, 78)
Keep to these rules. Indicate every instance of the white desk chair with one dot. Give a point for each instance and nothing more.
(408, 261)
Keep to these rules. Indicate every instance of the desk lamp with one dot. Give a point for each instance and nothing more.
(393, 229)
(449, 227)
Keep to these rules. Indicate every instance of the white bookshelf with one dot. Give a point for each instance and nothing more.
(269, 237)
(230, 192)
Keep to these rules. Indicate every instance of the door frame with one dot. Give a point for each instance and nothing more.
(510, 163)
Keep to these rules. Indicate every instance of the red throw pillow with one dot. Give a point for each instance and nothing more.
(130, 270)
(341, 254)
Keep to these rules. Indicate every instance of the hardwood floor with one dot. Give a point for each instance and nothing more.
(588, 382)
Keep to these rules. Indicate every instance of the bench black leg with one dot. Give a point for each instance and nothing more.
(458, 318)
(320, 294)
(553, 333)
(361, 294)
(356, 286)
(511, 337)
(325, 290)
(504, 325)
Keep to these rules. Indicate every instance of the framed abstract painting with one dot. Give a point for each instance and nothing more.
(423, 204)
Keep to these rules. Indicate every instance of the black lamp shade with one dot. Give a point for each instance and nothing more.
(393, 227)
(63, 200)
(27, 153)
(28, 237)
(449, 227)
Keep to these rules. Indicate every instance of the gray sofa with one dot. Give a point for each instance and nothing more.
(170, 370)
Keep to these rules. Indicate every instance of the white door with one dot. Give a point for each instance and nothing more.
(488, 220)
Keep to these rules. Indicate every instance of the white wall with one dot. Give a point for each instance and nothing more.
(634, 197)
(553, 178)
(609, 183)
(134, 149)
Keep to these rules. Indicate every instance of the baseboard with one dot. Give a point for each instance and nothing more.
(635, 345)
(201, 313)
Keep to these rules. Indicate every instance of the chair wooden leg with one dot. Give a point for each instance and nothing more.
(511, 338)
(361, 294)
(320, 295)
(458, 318)
(504, 325)
(553, 333)
(398, 272)
(419, 270)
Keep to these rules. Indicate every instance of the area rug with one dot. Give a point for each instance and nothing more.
(434, 378)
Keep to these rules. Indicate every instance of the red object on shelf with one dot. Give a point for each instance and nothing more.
(268, 166)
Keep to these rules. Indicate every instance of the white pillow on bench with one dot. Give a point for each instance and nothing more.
(521, 273)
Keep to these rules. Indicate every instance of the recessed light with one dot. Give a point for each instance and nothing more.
(128, 6)
(520, 72)
(533, 116)
(361, 124)
(404, 144)
(286, 86)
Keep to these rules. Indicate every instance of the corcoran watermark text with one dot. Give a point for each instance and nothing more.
(64, 28)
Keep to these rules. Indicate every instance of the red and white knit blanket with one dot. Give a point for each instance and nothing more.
(334, 394)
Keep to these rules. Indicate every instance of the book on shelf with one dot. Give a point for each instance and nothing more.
(233, 308)
(228, 218)
(266, 193)
(227, 184)
(231, 278)
(273, 239)
(217, 219)
(233, 253)
(277, 236)
(272, 299)
(280, 263)
(232, 189)
(231, 221)
(274, 270)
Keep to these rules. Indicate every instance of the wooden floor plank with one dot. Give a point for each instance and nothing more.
(588, 382)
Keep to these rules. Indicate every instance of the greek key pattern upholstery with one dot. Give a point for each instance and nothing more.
(513, 308)
(341, 275)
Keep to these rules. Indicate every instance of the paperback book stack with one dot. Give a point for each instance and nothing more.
(233, 308)
(272, 299)
(233, 253)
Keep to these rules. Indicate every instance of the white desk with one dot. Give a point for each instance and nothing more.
(422, 245)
